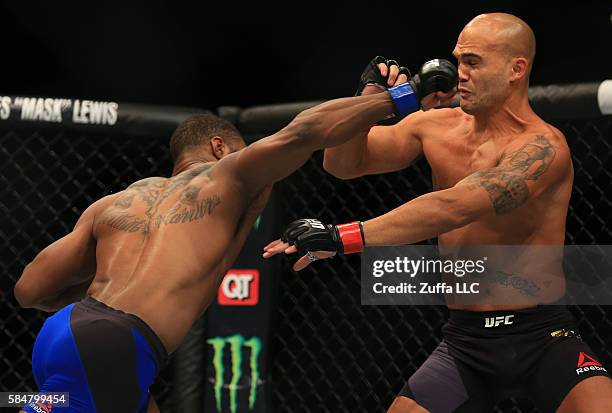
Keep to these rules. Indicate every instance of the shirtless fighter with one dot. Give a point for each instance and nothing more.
(502, 176)
(147, 261)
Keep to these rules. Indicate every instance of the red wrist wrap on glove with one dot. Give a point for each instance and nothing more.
(351, 237)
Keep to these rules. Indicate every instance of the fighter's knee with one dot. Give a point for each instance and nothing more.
(403, 404)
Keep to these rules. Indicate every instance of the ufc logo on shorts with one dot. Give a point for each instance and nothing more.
(315, 223)
(239, 287)
(499, 320)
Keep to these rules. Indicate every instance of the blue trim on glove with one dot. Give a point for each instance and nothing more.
(404, 99)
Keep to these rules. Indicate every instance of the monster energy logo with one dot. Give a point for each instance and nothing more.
(236, 344)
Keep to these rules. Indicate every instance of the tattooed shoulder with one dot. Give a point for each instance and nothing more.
(146, 182)
(190, 208)
(188, 175)
(124, 201)
(533, 158)
(190, 205)
(506, 184)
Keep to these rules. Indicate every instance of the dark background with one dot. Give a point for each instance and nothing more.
(208, 54)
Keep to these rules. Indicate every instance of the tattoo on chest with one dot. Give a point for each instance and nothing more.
(189, 207)
(506, 184)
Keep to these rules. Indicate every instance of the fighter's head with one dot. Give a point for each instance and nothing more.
(495, 52)
(204, 137)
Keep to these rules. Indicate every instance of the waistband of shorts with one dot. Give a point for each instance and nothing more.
(510, 319)
(143, 328)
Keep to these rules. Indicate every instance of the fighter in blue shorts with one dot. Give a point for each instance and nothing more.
(143, 264)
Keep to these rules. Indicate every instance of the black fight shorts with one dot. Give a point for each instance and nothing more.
(486, 357)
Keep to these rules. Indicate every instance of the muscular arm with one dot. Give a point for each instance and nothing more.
(382, 149)
(328, 124)
(534, 166)
(245, 226)
(61, 273)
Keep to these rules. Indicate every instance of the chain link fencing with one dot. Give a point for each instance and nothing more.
(47, 179)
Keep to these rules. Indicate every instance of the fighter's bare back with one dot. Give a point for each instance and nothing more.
(158, 249)
(164, 243)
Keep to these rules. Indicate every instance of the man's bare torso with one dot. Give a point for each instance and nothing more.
(454, 151)
(164, 243)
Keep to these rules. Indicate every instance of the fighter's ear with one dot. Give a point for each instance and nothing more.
(520, 68)
(218, 147)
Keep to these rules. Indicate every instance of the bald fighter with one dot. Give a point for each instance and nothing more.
(147, 261)
(501, 176)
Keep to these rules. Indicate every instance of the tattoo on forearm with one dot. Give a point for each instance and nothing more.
(506, 184)
(153, 191)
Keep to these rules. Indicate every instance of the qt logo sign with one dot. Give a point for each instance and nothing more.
(239, 287)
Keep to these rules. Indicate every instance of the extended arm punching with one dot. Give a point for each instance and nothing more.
(335, 122)
(521, 175)
(533, 167)
(391, 148)
(328, 124)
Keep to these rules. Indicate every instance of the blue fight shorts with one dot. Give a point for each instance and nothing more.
(104, 358)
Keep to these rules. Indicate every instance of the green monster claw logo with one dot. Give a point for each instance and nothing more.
(236, 344)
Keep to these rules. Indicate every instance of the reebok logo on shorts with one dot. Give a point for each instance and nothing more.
(41, 407)
(587, 363)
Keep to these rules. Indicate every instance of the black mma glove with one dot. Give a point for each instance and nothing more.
(437, 75)
(309, 235)
(371, 74)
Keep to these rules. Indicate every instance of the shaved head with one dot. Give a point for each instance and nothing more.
(495, 52)
(504, 32)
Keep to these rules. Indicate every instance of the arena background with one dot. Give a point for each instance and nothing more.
(326, 352)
